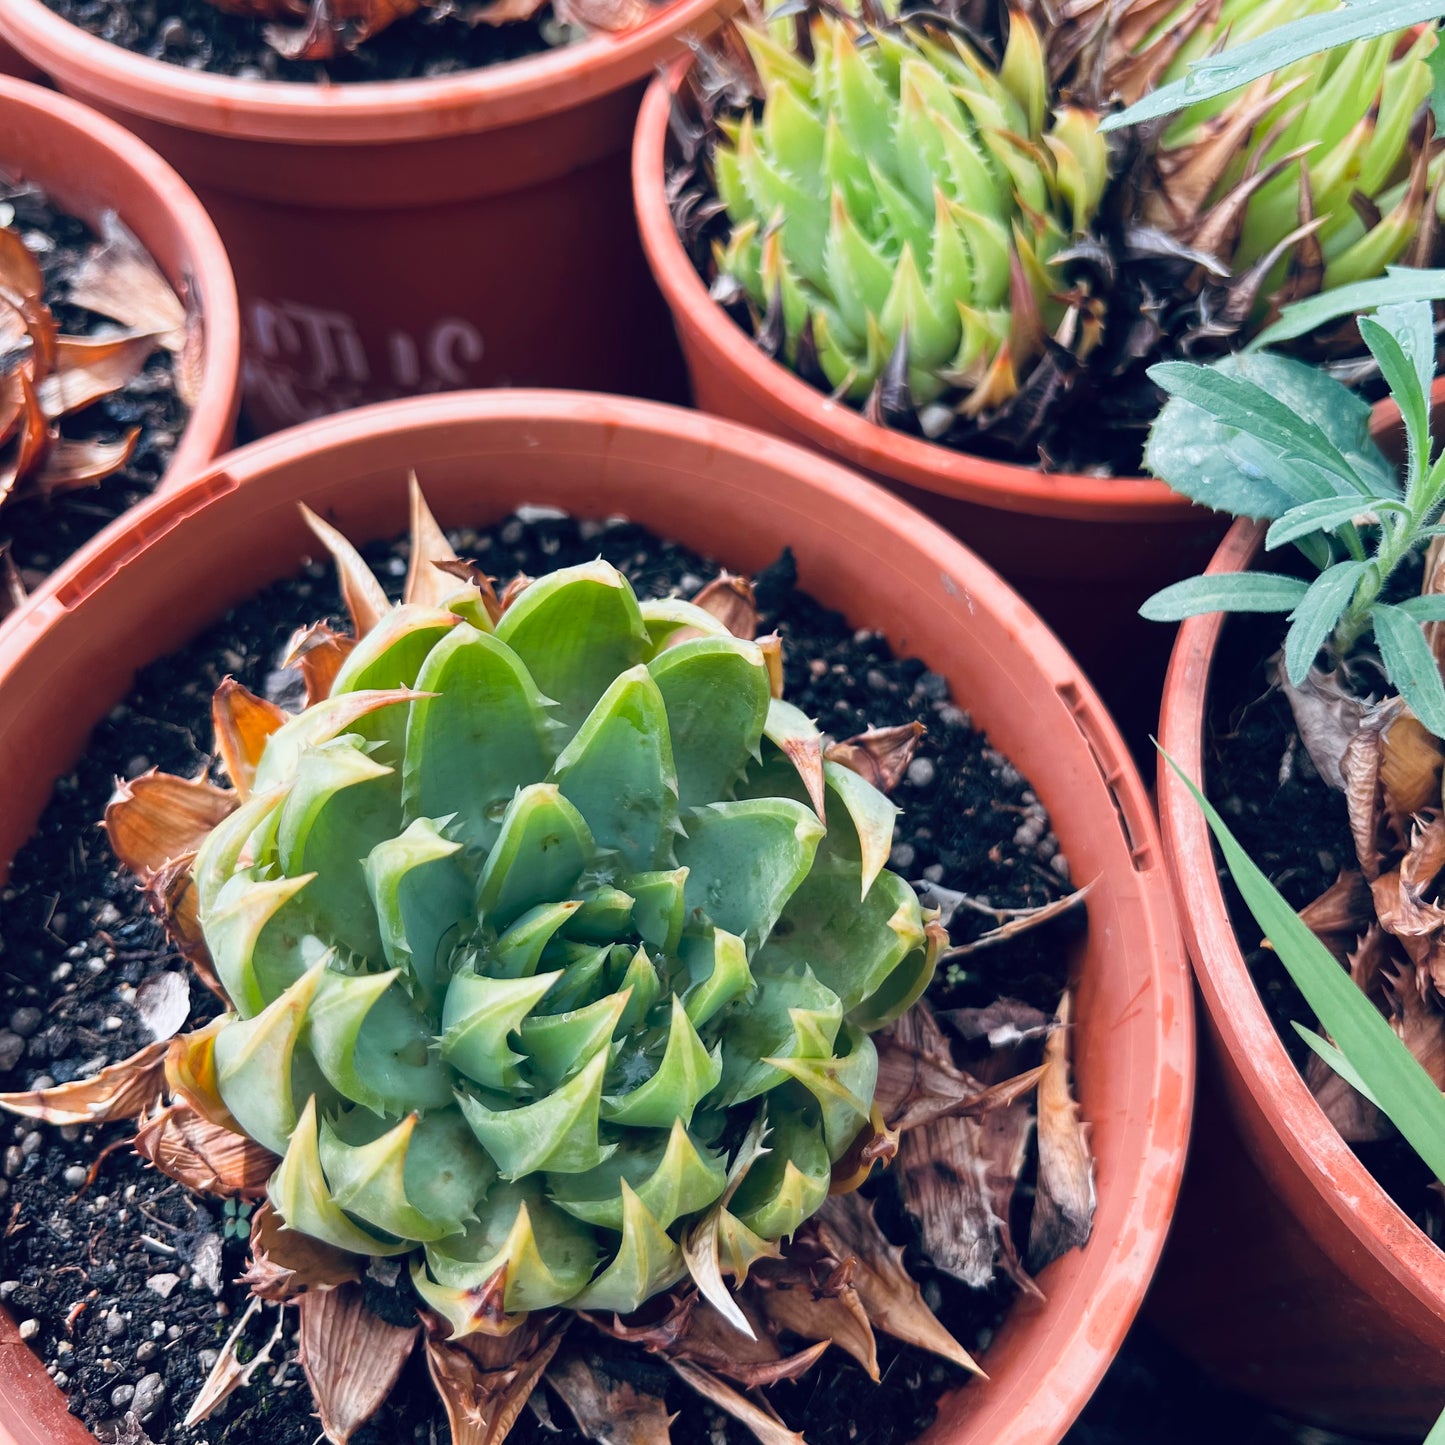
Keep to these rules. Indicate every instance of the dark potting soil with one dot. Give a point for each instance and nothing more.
(193, 33)
(42, 532)
(1296, 829)
(124, 1286)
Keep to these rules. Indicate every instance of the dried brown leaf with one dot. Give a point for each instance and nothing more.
(318, 652)
(606, 15)
(730, 599)
(847, 1230)
(503, 12)
(70, 465)
(759, 1418)
(352, 1358)
(190, 1066)
(1360, 768)
(1020, 922)
(514, 590)
(120, 1091)
(284, 1261)
(228, 1374)
(657, 1327)
(425, 582)
(118, 278)
(157, 818)
(789, 1299)
(1411, 762)
(1326, 716)
(1003, 1138)
(881, 755)
(1342, 912)
(1356, 1119)
(186, 1146)
(484, 1380)
(1003, 1023)
(365, 600)
(89, 368)
(242, 723)
(607, 1410)
(917, 1078)
(753, 1360)
(171, 893)
(1064, 1204)
(1432, 585)
(771, 646)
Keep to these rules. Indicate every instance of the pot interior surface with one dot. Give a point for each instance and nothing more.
(142, 590)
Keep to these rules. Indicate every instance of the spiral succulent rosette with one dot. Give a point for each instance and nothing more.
(533, 926)
(898, 202)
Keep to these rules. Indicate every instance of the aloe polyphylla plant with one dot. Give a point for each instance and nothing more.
(553, 943)
(896, 206)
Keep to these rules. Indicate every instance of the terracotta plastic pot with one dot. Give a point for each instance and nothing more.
(141, 590)
(89, 166)
(14, 64)
(1085, 551)
(411, 236)
(1291, 1274)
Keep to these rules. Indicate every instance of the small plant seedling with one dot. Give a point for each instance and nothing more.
(1266, 437)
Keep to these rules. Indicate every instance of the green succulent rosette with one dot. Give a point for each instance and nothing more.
(531, 928)
(896, 200)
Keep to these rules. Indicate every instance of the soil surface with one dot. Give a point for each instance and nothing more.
(1295, 827)
(124, 1283)
(193, 33)
(41, 533)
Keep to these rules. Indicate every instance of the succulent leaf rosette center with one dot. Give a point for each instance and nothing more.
(553, 944)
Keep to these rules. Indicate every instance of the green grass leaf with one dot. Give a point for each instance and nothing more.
(1217, 75)
(1228, 592)
(1405, 1092)
(1336, 1060)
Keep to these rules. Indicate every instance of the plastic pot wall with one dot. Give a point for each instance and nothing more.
(140, 591)
(90, 166)
(411, 236)
(1085, 551)
(1291, 1275)
(14, 64)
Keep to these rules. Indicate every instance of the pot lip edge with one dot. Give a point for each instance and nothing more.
(1009, 486)
(1232, 1006)
(1171, 1044)
(533, 87)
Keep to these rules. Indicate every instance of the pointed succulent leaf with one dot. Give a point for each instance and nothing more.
(422, 898)
(373, 1046)
(256, 1059)
(556, 1046)
(671, 620)
(792, 1015)
(715, 692)
(479, 1016)
(518, 951)
(575, 631)
(687, 1072)
(539, 855)
(321, 723)
(483, 734)
(224, 849)
(788, 1184)
(745, 860)
(658, 907)
(548, 1255)
(618, 771)
(643, 986)
(300, 1195)
(419, 1179)
(717, 964)
(673, 1180)
(259, 944)
(647, 1262)
(872, 817)
(842, 1086)
(557, 1133)
(602, 915)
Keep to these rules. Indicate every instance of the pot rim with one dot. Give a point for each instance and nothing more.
(1094, 1304)
(212, 419)
(835, 426)
(1386, 1234)
(366, 113)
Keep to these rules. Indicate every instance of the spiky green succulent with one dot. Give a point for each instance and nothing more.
(898, 200)
(1326, 157)
(529, 925)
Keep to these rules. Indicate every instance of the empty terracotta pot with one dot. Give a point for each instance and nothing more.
(1085, 551)
(145, 588)
(89, 166)
(410, 236)
(1291, 1274)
